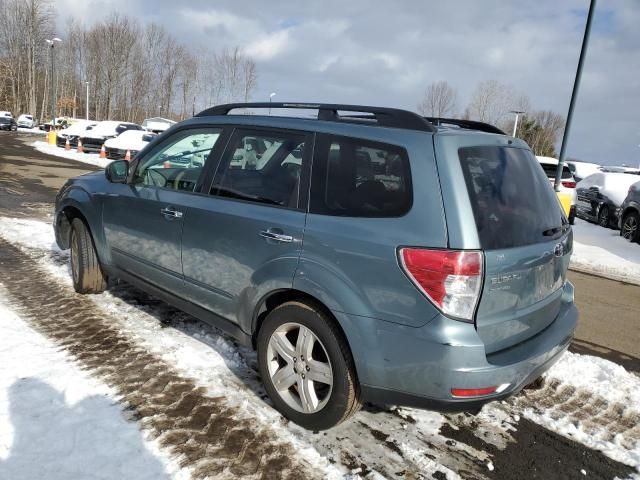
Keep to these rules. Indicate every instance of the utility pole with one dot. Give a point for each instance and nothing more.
(52, 43)
(87, 105)
(574, 94)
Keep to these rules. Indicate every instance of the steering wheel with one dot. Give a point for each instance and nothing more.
(179, 177)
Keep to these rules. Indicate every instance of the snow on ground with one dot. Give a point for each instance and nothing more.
(217, 363)
(57, 422)
(604, 252)
(30, 130)
(90, 158)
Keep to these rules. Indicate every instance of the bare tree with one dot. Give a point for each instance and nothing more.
(439, 100)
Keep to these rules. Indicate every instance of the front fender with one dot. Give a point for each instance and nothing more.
(77, 198)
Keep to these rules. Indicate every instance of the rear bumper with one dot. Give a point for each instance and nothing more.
(419, 366)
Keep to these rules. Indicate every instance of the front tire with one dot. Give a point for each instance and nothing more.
(85, 268)
(306, 366)
(630, 229)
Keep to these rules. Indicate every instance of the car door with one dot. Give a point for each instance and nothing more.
(244, 238)
(143, 219)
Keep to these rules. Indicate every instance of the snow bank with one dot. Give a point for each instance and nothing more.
(30, 130)
(90, 158)
(602, 251)
(57, 422)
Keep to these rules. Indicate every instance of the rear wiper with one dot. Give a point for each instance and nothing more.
(552, 231)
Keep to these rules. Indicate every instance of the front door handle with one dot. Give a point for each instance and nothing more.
(170, 212)
(277, 235)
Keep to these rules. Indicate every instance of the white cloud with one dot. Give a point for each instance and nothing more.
(268, 46)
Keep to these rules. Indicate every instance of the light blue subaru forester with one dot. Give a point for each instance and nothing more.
(368, 254)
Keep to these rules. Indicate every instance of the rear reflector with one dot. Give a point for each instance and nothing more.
(473, 392)
(451, 279)
(568, 184)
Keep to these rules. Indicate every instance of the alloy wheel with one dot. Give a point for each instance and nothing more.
(299, 368)
(629, 227)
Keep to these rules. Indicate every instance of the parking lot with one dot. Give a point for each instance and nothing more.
(198, 394)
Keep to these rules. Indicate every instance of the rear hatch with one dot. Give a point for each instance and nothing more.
(526, 241)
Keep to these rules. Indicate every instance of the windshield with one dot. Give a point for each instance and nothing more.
(513, 203)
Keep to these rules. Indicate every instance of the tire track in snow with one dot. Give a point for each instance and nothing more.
(209, 437)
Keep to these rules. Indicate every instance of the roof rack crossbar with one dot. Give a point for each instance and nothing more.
(384, 117)
(466, 124)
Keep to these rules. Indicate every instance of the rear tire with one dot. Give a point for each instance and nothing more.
(603, 216)
(332, 404)
(630, 229)
(85, 267)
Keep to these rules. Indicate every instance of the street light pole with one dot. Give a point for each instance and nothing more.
(87, 105)
(574, 94)
(52, 43)
(273, 94)
(515, 125)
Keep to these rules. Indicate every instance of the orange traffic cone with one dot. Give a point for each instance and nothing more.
(127, 156)
(103, 152)
(67, 145)
(80, 150)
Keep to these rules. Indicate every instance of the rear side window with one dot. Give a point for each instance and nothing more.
(513, 203)
(359, 178)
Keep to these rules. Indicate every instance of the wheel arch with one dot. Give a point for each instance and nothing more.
(275, 298)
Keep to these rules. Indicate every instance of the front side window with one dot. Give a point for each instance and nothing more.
(263, 168)
(178, 163)
(358, 178)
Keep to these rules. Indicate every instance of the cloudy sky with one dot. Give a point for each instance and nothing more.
(385, 53)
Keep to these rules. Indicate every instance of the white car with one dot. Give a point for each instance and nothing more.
(582, 170)
(26, 121)
(4, 113)
(567, 182)
(130, 140)
(73, 132)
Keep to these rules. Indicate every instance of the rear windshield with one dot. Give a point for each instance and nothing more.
(550, 170)
(512, 200)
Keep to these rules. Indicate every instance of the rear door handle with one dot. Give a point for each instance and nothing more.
(276, 235)
(170, 212)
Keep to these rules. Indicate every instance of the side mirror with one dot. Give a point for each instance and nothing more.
(116, 172)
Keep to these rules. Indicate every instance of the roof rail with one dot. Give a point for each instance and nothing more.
(466, 124)
(384, 117)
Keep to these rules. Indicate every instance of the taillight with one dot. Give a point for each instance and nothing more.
(568, 184)
(451, 279)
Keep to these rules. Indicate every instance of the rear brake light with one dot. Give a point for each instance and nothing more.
(451, 279)
(569, 184)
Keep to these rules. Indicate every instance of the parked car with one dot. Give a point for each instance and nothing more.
(8, 123)
(600, 195)
(26, 121)
(61, 123)
(415, 264)
(93, 139)
(131, 141)
(629, 215)
(581, 170)
(73, 132)
(157, 124)
(5, 113)
(567, 182)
